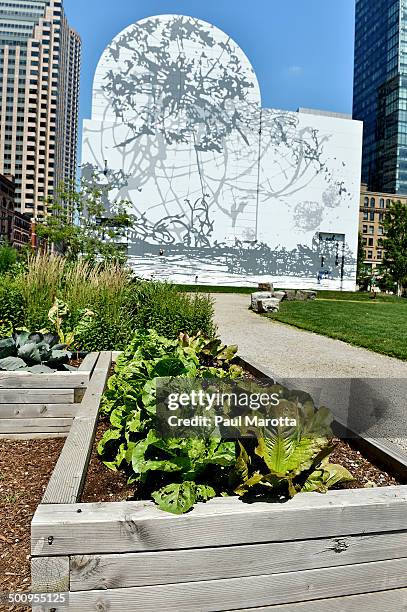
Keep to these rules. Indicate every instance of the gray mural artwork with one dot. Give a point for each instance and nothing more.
(221, 188)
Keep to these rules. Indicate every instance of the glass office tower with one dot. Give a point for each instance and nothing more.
(380, 92)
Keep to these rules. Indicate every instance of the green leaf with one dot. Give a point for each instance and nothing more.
(11, 364)
(228, 353)
(176, 498)
(59, 356)
(40, 369)
(30, 352)
(109, 436)
(7, 348)
(204, 493)
(168, 367)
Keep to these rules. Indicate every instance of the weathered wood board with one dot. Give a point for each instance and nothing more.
(140, 526)
(247, 592)
(65, 485)
(96, 572)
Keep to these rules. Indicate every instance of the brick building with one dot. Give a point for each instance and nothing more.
(15, 228)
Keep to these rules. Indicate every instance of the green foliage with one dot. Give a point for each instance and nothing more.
(99, 304)
(77, 223)
(179, 472)
(8, 258)
(364, 271)
(395, 256)
(161, 306)
(289, 459)
(11, 303)
(36, 352)
(176, 473)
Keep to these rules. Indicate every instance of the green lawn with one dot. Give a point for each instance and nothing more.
(379, 325)
(214, 289)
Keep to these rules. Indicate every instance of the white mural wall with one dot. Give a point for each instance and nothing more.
(223, 191)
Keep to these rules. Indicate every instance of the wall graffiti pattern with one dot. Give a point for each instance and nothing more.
(221, 188)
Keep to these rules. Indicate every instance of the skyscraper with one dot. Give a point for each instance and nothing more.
(39, 89)
(380, 92)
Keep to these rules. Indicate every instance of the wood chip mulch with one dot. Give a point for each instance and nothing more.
(25, 468)
(365, 473)
(102, 484)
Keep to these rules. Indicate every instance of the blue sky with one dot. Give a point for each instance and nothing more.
(302, 51)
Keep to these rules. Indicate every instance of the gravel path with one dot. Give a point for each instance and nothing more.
(378, 383)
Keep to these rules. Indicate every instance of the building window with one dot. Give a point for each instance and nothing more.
(371, 217)
(366, 202)
(379, 254)
(388, 202)
(371, 230)
(364, 229)
(370, 241)
(372, 203)
(365, 216)
(370, 255)
(381, 202)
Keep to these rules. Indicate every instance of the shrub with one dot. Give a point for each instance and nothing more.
(11, 301)
(120, 306)
(8, 258)
(161, 306)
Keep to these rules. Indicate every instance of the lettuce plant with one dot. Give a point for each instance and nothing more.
(289, 459)
(176, 473)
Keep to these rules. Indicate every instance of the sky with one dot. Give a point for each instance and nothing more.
(302, 51)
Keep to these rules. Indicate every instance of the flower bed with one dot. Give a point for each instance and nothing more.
(223, 555)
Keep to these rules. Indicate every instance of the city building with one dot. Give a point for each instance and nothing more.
(373, 207)
(39, 88)
(224, 191)
(15, 228)
(380, 92)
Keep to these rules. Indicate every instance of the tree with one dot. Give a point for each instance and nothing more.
(364, 272)
(79, 223)
(395, 257)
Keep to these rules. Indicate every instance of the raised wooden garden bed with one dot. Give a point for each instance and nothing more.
(346, 550)
(42, 404)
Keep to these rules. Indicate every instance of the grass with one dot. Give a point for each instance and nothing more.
(326, 295)
(215, 289)
(378, 325)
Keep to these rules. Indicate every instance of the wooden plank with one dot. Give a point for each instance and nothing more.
(32, 411)
(57, 380)
(37, 396)
(384, 601)
(89, 363)
(115, 527)
(66, 483)
(248, 592)
(50, 575)
(33, 436)
(93, 572)
(44, 425)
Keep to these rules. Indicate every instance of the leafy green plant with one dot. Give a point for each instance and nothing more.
(8, 258)
(289, 459)
(59, 312)
(176, 473)
(37, 352)
(179, 472)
